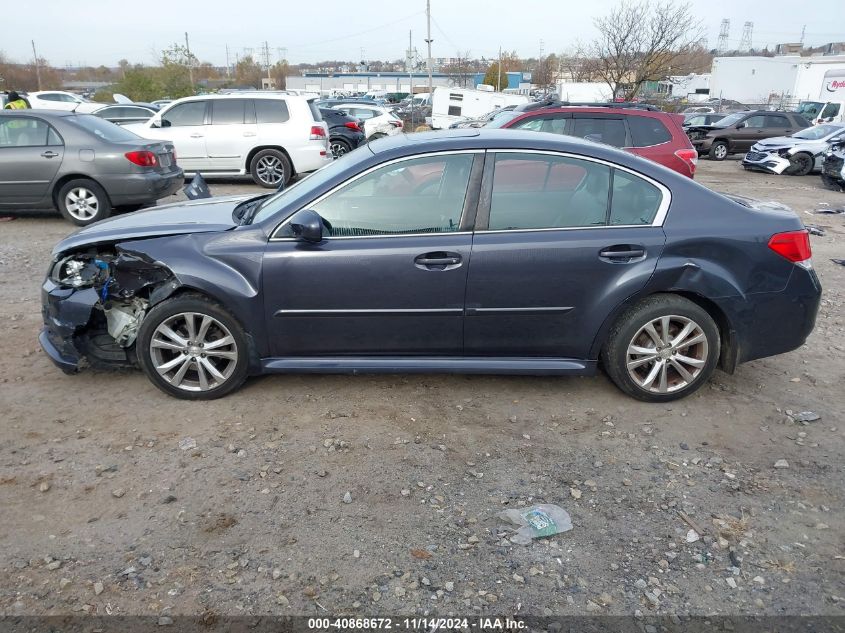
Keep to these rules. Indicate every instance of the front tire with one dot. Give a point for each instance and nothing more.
(269, 168)
(83, 202)
(663, 348)
(192, 348)
(800, 165)
(718, 151)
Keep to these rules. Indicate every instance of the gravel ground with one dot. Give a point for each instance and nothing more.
(117, 499)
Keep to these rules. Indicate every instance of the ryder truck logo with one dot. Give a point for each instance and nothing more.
(834, 85)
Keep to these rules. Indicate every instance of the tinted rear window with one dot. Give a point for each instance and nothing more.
(646, 131)
(101, 128)
(271, 111)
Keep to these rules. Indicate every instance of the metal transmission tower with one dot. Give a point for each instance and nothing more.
(724, 33)
(745, 42)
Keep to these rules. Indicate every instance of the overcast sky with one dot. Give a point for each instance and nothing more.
(95, 32)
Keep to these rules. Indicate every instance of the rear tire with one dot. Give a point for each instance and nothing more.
(269, 168)
(718, 151)
(663, 348)
(192, 348)
(83, 202)
(800, 165)
(339, 147)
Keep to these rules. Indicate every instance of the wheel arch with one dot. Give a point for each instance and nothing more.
(66, 178)
(260, 148)
(728, 342)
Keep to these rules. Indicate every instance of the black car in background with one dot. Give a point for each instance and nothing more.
(463, 251)
(345, 132)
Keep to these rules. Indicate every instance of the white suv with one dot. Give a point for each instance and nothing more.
(270, 136)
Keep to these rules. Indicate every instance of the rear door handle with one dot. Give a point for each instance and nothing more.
(249, 133)
(438, 261)
(622, 253)
(49, 154)
(196, 135)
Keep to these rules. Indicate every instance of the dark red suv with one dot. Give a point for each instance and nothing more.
(658, 136)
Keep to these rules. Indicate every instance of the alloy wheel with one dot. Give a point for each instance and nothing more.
(667, 354)
(721, 151)
(82, 203)
(270, 170)
(338, 149)
(193, 351)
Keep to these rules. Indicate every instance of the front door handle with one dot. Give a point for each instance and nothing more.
(622, 253)
(49, 154)
(196, 135)
(439, 260)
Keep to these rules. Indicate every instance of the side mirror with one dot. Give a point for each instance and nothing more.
(307, 226)
(739, 126)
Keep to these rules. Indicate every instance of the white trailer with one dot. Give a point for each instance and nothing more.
(449, 105)
(584, 92)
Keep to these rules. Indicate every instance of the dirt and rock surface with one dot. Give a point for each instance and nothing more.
(379, 494)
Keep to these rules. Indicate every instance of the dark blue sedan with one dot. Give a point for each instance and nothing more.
(473, 251)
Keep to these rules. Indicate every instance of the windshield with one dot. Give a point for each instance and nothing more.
(502, 118)
(817, 132)
(810, 107)
(731, 119)
(101, 128)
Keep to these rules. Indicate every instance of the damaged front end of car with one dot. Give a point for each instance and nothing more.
(93, 303)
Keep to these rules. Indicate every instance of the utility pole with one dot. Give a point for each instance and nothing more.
(428, 41)
(190, 61)
(499, 69)
(228, 67)
(37, 65)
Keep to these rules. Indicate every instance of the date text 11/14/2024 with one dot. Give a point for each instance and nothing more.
(416, 624)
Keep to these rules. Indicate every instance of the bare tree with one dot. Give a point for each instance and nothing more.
(640, 42)
(461, 70)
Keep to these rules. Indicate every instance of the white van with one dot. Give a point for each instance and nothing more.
(450, 105)
(270, 136)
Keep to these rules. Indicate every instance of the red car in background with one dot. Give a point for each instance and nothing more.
(658, 136)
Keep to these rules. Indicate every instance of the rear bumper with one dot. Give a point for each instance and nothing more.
(311, 158)
(142, 188)
(772, 323)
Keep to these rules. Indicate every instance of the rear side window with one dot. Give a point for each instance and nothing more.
(554, 125)
(184, 114)
(23, 132)
(271, 110)
(635, 201)
(647, 131)
(608, 131)
(777, 120)
(535, 191)
(228, 111)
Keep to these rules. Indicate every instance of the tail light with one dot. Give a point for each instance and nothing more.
(318, 133)
(143, 158)
(690, 157)
(794, 246)
(352, 125)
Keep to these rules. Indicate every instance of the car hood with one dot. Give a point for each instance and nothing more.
(196, 216)
(779, 141)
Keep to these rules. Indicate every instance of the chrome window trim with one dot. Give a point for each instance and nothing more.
(659, 218)
(273, 237)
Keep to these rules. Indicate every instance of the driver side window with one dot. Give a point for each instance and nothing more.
(419, 195)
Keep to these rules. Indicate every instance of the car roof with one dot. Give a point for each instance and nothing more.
(42, 112)
(594, 110)
(246, 94)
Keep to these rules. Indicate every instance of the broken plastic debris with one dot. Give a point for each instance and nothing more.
(841, 262)
(805, 416)
(537, 522)
(815, 230)
(187, 443)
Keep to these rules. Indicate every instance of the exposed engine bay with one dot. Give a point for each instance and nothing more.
(97, 300)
